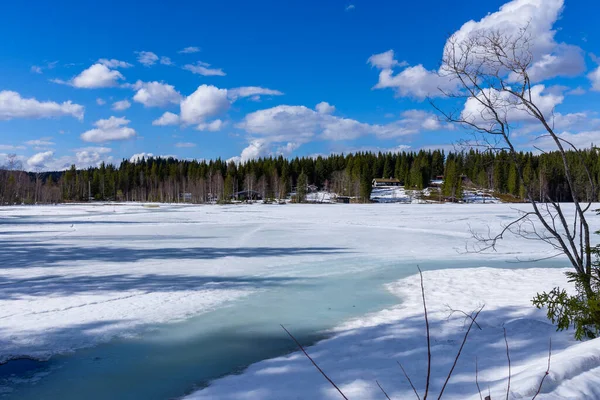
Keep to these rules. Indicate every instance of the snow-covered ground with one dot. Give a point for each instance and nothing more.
(367, 349)
(73, 276)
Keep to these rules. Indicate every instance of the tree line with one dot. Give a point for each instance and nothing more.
(171, 180)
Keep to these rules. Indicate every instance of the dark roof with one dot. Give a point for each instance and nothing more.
(394, 180)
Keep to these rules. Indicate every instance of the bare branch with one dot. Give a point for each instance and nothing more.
(314, 363)
(508, 357)
(460, 351)
(409, 381)
(428, 336)
(386, 395)
(547, 370)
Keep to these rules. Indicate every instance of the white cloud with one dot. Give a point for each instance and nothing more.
(212, 126)
(167, 118)
(205, 102)
(90, 155)
(155, 94)
(189, 50)
(147, 58)
(350, 7)
(121, 105)
(112, 63)
(581, 140)
(166, 61)
(385, 60)
(578, 91)
(40, 160)
(109, 129)
(139, 156)
(12, 105)
(251, 91)
(37, 69)
(299, 124)
(550, 59)
(185, 145)
(40, 142)
(594, 77)
(325, 108)
(475, 112)
(415, 81)
(565, 60)
(203, 69)
(96, 76)
(100, 101)
(10, 147)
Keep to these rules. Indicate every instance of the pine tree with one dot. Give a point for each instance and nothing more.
(301, 187)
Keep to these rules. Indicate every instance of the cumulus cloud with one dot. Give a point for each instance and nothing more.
(100, 101)
(96, 76)
(167, 118)
(299, 124)
(40, 160)
(109, 129)
(91, 155)
(251, 91)
(550, 59)
(189, 50)
(201, 106)
(581, 140)
(475, 112)
(139, 156)
(112, 63)
(166, 61)
(202, 68)
(121, 105)
(385, 60)
(12, 105)
(155, 94)
(147, 58)
(325, 108)
(206, 102)
(594, 77)
(212, 126)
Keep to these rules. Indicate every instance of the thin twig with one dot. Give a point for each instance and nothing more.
(313, 362)
(477, 379)
(409, 381)
(459, 352)
(428, 337)
(508, 357)
(386, 395)
(547, 370)
(467, 316)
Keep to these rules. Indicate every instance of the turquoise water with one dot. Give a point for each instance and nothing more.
(172, 360)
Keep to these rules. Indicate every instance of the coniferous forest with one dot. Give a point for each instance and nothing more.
(167, 180)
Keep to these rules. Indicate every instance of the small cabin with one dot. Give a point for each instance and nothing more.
(377, 182)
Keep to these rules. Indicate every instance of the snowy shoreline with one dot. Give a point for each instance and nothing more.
(366, 349)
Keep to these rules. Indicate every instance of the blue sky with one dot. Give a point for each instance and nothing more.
(253, 73)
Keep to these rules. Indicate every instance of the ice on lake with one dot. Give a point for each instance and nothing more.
(179, 295)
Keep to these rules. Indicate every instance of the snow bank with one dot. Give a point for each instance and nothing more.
(367, 349)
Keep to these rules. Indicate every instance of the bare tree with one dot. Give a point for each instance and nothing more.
(491, 70)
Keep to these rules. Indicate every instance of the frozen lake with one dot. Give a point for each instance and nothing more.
(133, 302)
